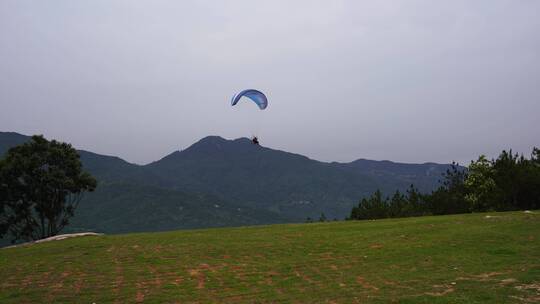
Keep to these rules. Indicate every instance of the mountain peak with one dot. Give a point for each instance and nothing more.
(217, 143)
(212, 139)
(208, 144)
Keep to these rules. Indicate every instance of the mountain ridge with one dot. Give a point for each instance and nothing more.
(23, 138)
(273, 185)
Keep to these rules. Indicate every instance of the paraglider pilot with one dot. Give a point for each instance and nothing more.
(258, 98)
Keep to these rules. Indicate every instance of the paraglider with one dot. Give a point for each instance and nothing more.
(257, 97)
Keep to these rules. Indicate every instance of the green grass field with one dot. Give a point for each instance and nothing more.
(474, 258)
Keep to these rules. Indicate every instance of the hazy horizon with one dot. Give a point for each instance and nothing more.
(414, 82)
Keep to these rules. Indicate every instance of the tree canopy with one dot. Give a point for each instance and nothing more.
(41, 184)
(510, 182)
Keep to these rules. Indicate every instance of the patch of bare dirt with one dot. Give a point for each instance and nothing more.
(199, 275)
(529, 299)
(171, 277)
(44, 281)
(483, 277)
(79, 283)
(364, 283)
(268, 281)
(26, 281)
(508, 281)
(532, 286)
(141, 290)
(139, 297)
(390, 283)
(441, 290)
(489, 274)
(304, 277)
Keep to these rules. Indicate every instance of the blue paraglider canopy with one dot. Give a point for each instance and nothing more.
(257, 96)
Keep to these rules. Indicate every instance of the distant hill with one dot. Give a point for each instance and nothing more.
(121, 208)
(290, 184)
(219, 182)
(10, 139)
(424, 176)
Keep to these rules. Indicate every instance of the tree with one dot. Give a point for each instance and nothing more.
(397, 205)
(518, 179)
(535, 157)
(510, 182)
(507, 178)
(415, 203)
(480, 186)
(374, 207)
(449, 198)
(41, 184)
(532, 176)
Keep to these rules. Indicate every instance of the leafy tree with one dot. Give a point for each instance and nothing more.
(322, 218)
(41, 184)
(480, 186)
(535, 157)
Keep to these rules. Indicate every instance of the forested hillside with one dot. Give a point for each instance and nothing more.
(219, 182)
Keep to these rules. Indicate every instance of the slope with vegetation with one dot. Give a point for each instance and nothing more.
(510, 182)
(250, 184)
(473, 258)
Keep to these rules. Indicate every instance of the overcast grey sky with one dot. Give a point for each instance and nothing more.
(410, 81)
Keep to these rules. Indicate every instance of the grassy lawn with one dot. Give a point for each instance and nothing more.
(473, 258)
